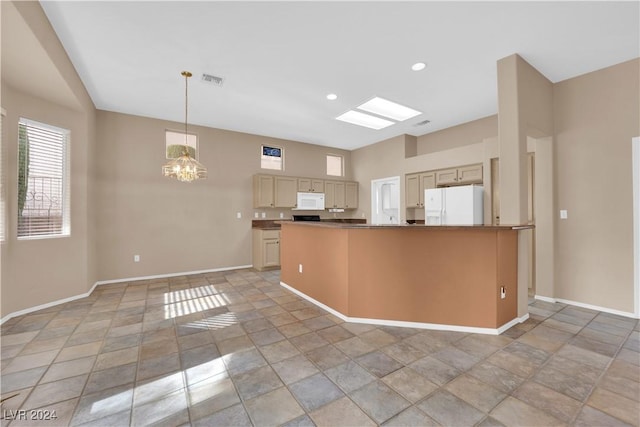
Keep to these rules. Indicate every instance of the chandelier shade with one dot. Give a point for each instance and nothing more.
(185, 168)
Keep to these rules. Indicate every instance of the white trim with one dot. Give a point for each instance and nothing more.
(635, 160)
(404, 324)
(106, 282)
(588, 306)
(47, 305)
(162, 276)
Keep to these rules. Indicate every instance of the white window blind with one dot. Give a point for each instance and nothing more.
(43, 180)
(334, 165)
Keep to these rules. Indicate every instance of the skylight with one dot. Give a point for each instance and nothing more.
(366, 120)
(385, 108)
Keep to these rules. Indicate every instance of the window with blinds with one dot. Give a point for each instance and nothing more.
(43, 180)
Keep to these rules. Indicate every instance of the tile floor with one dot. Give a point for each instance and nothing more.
(234, 348)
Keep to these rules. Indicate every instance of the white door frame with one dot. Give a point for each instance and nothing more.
(374, 205)
(635, 158)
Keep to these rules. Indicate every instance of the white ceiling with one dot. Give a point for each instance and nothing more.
(280, 59)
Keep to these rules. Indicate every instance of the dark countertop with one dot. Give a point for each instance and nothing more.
(327, 224)
(274, 224)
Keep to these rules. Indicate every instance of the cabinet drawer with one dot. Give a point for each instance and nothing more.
(270, 234)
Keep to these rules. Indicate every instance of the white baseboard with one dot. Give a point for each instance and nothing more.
(162, 276)
(588, 306)
(404, 324)
(106, 282)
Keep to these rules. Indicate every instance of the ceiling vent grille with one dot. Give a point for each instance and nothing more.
(422, 123)
(214, 80)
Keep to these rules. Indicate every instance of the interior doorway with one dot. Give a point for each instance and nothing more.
(385, 200)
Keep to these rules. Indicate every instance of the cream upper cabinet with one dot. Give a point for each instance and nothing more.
(470, 174)
(285, 191)
(415, 184)
(333, 194)
(447, 176)
(412, 190)
(463, 175)
(351, 195)
(263, 196)
(310, 185)
(340, 195)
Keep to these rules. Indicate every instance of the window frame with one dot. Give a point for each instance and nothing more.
(65, 227)
(264, 157)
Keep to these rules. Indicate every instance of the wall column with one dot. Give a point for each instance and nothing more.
(513, 167)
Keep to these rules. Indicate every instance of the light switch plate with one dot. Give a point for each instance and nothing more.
(239, 215)
(563, 214)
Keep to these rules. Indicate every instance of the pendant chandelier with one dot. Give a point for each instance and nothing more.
(185, 168)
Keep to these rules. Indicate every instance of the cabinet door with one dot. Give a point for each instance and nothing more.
(351, 195)
(338, 201)
(329, 194)
(271, 252)
(317, 186)
(427, 180)
(470, 174)
(263, 191)
(447, 176)
(286, 189)
(412, 191)
(304, 185)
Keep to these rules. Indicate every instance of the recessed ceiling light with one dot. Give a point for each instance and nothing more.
(385, 108)
(366, 120)
(418, 66)
(332, 97)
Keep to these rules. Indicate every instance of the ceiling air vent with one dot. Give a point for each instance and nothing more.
(214, 80)
(422, 123)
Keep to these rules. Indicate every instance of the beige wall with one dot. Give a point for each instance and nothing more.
(458, 136)
(596, 115)
(177, 227)
(64, 265)
(387, 159)
(525, 107)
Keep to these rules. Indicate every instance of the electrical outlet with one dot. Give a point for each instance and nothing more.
(239, 215)
(281, 215)
(256, 215)
(503, 292)
(300, 268)
(264, 214)
(136, 258)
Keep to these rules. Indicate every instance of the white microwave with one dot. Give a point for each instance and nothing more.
(310, 202)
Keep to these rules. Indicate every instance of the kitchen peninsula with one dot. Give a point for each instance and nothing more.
(440, 277)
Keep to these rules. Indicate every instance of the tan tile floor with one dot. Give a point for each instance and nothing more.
(235, 348)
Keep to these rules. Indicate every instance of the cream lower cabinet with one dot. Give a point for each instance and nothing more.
(266, 249)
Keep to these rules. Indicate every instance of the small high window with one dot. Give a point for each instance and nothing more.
(335, 165)
(43, 180)
(272, 158)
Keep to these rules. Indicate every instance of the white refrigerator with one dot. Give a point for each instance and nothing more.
(461, 205)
